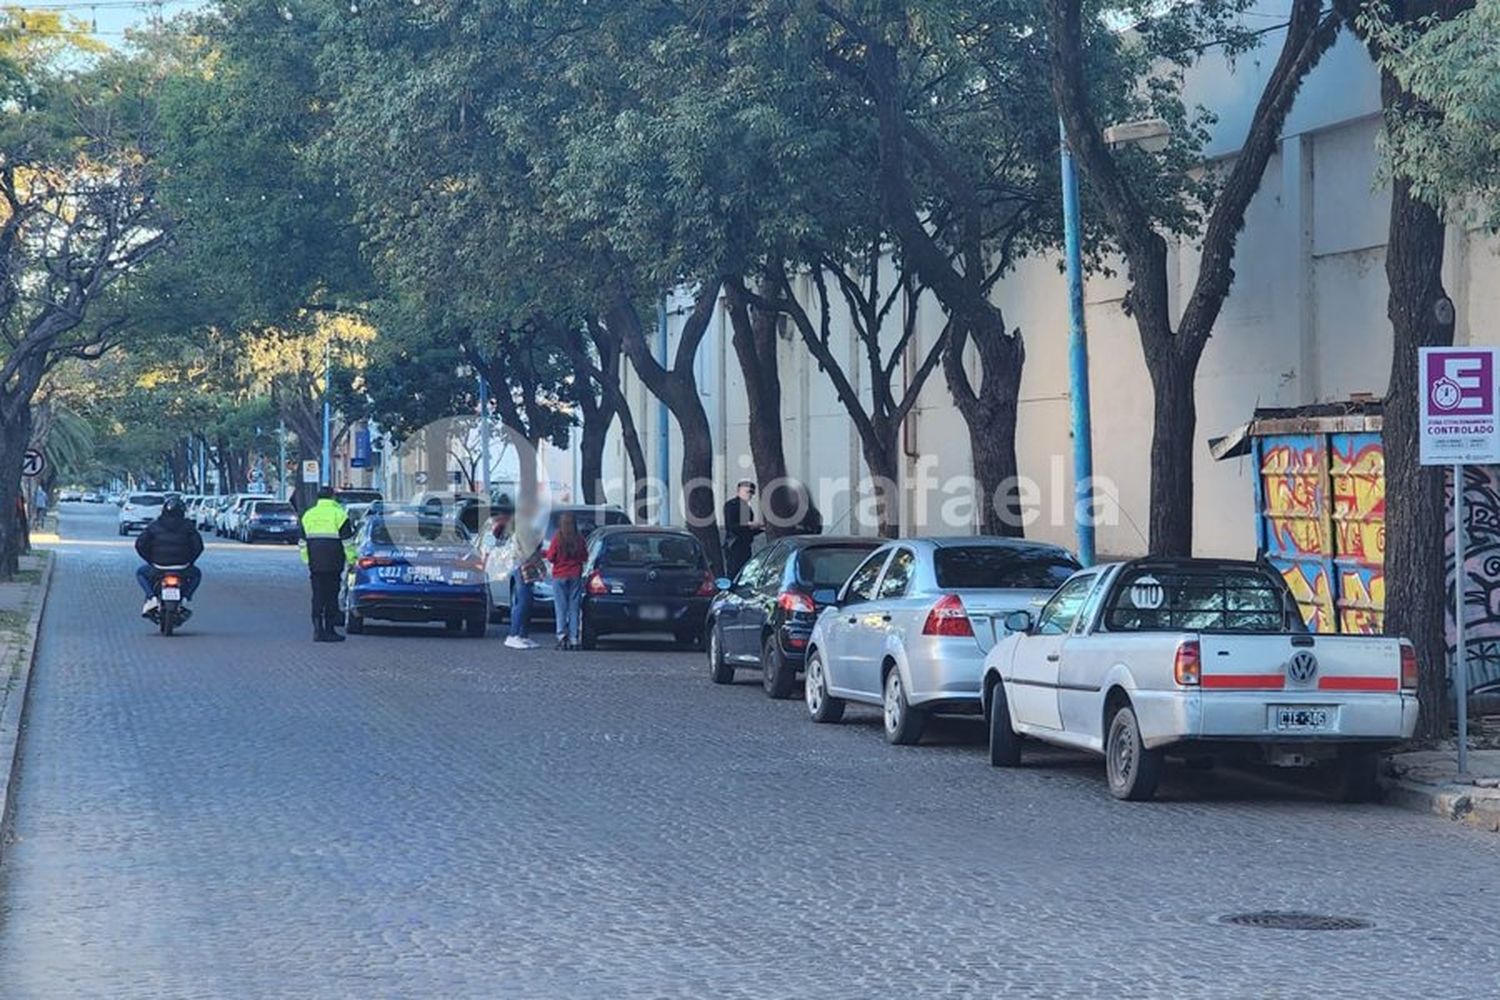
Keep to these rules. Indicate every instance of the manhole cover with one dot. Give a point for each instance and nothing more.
(1282, 920)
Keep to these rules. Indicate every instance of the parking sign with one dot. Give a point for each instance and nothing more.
(1460, 409)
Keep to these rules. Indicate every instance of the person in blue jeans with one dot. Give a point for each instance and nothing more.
(566, 554)
(525, 542)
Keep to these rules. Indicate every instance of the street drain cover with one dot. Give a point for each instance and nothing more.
(1283, 920)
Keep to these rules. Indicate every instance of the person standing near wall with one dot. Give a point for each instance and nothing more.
(740, 528)
(327, 547)
(39, 506)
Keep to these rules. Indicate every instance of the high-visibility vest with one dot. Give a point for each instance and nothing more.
(327, 537)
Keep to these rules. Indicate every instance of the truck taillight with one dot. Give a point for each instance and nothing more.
(948, 617)
(795, 602)
(1187, 665)
(1408, 667)
(596, 584)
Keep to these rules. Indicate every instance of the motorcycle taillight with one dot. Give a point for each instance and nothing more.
(170, 580)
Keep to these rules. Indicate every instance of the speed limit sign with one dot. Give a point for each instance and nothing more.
(34, 464)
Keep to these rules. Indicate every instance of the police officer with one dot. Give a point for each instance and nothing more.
(326, 549)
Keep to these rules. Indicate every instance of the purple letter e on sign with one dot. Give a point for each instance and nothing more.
(1459, 406)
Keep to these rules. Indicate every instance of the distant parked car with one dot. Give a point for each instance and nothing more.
(500, 557)
(1204, 658)
(911, 628)
(138, 510)
(644, 580)
(273, 520)
(92, 497)
(69, 496)
(763, 618)
(230, 517)
(357, 503)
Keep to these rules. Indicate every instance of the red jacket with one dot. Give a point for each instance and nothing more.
(565, 566)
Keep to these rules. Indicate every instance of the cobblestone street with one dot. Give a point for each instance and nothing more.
(238, 812)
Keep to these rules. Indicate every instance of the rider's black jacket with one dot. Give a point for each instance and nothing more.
(169, 541)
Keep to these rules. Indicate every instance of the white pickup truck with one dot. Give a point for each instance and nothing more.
(1203, 658)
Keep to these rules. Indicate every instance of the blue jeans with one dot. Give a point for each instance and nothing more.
(145, 575)
(567, 599)
(520, 606)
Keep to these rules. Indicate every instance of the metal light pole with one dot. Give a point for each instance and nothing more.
(281, 468)
(1078, 360)
(327, 471)
(484, 433)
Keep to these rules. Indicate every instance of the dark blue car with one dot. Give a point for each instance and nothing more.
(641, 579)
(413, 565)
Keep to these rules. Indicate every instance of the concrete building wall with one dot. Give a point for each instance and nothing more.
(1305, 322)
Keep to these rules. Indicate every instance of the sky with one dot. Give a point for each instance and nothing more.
(113, 17)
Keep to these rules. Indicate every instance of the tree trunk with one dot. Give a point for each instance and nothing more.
(14, 435)
(754, 340)
(1415, 544)
(591, 442)
(881, 452)
(1174, 427)
(635, 454)
(677, 388)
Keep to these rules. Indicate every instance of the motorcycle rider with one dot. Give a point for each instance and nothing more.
(170, 540)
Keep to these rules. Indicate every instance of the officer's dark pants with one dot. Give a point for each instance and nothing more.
(325, 601)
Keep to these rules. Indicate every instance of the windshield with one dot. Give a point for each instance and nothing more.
(826, 566)
(1207, 599)
(652, 549)
(587, 519)
(415, 529)
(147, 499)
(1002, 567)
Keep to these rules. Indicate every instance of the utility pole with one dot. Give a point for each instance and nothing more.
(327, 471)
(1078, 360)
(281, 466)
(664, 421)
(484, 434)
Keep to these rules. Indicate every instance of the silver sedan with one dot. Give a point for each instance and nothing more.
(913, 624)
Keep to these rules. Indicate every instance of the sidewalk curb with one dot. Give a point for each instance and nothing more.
(1476, 807)
(13, 715)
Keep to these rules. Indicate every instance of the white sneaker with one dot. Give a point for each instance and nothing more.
(528, 644)
(151, 605)
(516, 642)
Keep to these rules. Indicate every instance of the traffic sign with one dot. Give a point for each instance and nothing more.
(1460, 407)
(34, 464)
(421, 478)
(310, 471)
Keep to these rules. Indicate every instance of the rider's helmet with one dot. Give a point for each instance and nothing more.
(174, 507)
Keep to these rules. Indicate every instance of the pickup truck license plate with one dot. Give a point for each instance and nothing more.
(1303, 718)
(171, 594)
(653, 613)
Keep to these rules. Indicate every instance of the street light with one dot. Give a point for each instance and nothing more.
(327, 472)
(1150, 135)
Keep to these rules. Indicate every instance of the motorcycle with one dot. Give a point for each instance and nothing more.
(169, 613)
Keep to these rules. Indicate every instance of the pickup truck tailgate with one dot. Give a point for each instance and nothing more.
(1328, 664)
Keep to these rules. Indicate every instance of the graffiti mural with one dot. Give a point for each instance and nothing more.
(1295, 526)
(1482, 572)
(1356, 471)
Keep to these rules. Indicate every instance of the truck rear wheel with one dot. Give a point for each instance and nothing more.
(1133, 770)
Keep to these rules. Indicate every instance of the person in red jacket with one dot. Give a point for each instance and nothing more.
(566, 554)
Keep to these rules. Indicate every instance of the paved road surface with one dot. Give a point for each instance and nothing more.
(237, 812)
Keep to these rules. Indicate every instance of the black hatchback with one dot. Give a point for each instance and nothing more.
(641, 579)
(764, 617)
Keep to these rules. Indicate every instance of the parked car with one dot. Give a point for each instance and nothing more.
(138, 510)
(1200, 657)
(93, 497)
(911, 627)
(645, 579)
(500, 557)
(274, 520)
(411, 566)
(69, 496)
(764, 617)
(228, 524)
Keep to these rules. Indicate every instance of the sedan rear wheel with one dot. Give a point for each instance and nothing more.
(903, 723)
(822, 706)
(776, 677)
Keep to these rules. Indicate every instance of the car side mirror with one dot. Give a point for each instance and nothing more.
(723, 583)
(1018, 621)
(825, 595)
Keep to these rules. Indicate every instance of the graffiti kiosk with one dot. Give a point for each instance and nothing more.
(1460, 426)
